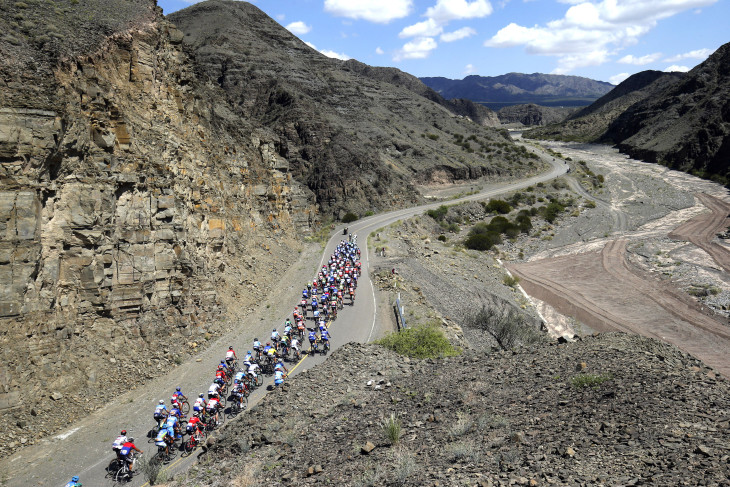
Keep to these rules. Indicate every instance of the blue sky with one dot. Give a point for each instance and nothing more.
(606, 40)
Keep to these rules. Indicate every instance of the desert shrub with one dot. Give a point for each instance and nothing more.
(442, 238)
(510, 281)
(505, 324)
(453, 227)
(590, 204)
(498, 206)
(523, 221)
(439, 213)
(426, 341)
(392, 429)
(552, 210)
(349, 217)
(482, 241)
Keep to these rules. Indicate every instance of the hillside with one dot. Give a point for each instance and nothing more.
(590, 123)
(533, 115)
(608, 409)
(497, 92)
(678, 120)
(358, 137)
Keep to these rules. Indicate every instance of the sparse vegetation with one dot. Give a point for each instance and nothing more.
(510, 281)
(505, 324)
(425, 341)
(349, 217)
(581, 381)
(392, 429)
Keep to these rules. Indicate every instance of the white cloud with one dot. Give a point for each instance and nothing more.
(311, 45)
(640, 61)
(458, 34)
(469, 69)
(418, 48)
(618, 78)
(589, 33)
(447, 10)
(298, 28)
(379, 51)
(427, 28)
(281, 17)
(335, 55)
(700, 54)
(674, 67)
(379, 11)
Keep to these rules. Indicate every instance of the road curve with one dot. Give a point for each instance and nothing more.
(84, 449)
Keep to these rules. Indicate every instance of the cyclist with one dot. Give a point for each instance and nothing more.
(239, 392)
(74, 482)
(177, 398)
(214, 390)
(267, 348)
(231, 356)
(220, 376)
(173, 424)
(212, 408)
(164, 439)
(253, 371)
(295, 346)
(257, 347)
(121, 440)
(322, 325)
(195, 425)
(241, 374)
(161, 412)
(125, 453)
(325, 337)
(274, 336)
(312, 340)
(279, 377)
(175, 413)
(199, 403)
(280, 366)
(284, 345)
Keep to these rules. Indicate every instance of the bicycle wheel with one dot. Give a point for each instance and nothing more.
(185, 407)
(259, 380)
(122, 476)
(189, 445)
(222, 416)
(233, 410)
(223, 400)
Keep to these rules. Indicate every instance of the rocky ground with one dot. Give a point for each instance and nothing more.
(612, 409)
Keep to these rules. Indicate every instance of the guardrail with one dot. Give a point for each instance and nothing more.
(399, 316)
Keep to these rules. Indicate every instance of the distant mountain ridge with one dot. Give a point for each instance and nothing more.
(517, 88)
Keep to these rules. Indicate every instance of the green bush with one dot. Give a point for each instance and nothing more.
(510, 281)
(442, 238)
(498, 206)
(439, 213)
(392, 429)
(349, 217)
(482, 241)
(581, 381)
(552, 210)
(426, 341)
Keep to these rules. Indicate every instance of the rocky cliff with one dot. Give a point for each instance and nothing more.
(133, 207)
(357, 137)
(590, 123)
(685, 126)
(533, 115)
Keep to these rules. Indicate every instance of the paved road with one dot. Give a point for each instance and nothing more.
(84, 449)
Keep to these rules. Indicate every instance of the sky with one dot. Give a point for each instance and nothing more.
(604, 40)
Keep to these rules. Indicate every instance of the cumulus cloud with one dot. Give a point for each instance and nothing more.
(618, 78)
(379, 11)
(379, 51)
(447, 10)
(458, 34)
(700, 54)
(335, 55)
(674, 68)
(640, 61)
(427, 28)
(589, 33)
(469, 69)
(298, 28)
(418, 48)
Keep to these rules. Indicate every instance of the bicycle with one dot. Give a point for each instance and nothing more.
(183, 404)
(237, 406)
(123, 474)
(325, 347)
(164, 454)
(193, 442)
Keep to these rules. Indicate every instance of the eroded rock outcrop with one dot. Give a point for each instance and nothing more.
(132, 207)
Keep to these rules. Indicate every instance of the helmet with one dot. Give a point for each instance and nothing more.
(162, 401)
(273, 329)
(249, 352)
(268, 343)
(131, 440)
(196, 413)
(177, 389)
(123, 432)
(200, 395)
(74, 478)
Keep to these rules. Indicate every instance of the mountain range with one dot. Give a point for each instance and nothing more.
(497, 92)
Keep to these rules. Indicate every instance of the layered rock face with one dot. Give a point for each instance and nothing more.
(132, 208)
(533, 115)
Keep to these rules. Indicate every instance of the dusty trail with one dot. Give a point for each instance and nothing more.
(602, 290)
(701, 229)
